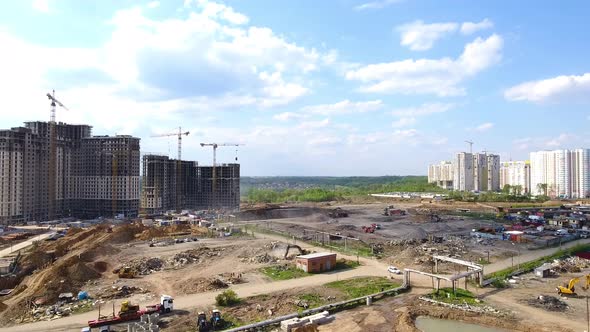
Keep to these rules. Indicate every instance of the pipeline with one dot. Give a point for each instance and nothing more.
(315, 310)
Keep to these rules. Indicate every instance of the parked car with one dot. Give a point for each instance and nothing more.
(394, 270)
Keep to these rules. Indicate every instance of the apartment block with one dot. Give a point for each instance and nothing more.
(170, 185)
(516, 173)
(561, 173)
(441, 174)
(81, 179)
(486, 172)
(463, 172)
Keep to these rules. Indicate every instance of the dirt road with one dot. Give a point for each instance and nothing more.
(24, 244)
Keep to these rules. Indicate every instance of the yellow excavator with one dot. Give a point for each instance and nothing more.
(570, 288)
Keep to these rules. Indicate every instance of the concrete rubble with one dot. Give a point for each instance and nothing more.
(291, 325)
(547, 302)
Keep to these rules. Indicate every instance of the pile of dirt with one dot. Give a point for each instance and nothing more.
(80, 273)
(200, 285)
(260, 259)
(194, 256)
(547, 302)
(101, 266)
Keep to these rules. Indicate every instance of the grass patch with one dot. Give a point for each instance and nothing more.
(461, 296)
(529, 266)
(283, 272)
(313, 300)
(482, 261)
(343, 264)
(359, 287)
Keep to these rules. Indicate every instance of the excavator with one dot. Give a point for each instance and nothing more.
(570, 288)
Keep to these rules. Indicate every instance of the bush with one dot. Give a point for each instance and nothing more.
(227, 298)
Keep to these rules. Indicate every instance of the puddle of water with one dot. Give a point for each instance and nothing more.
(429, 324)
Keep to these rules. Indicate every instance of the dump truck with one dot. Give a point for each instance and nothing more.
(130, 312)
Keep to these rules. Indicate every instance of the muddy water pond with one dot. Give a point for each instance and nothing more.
(429, 324)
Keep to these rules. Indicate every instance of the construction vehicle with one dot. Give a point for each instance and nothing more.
(435, 218)
(216, 320)
(202, 322)
(392, 211)
(338, 213)
(369, 229)
(570, 288)
(127, 272)
(130, 312)
(294, 246)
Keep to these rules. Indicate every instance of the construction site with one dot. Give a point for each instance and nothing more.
(107, 274)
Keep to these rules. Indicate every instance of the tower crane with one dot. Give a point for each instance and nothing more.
(179, 134)
(470, 146)
(214, 175)
(52, 153)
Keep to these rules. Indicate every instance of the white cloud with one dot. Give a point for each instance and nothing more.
(41, 6)
(286, 116)
(424, 109)
(403, 122)
(559, 141)
(376, 4)
(427, 76)
(468, 28)
(420, 37)
(561, 88)
(344, 107)
(153, 4)
(314, 124)
(484, 127)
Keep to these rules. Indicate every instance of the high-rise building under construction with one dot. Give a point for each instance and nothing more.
(170, 185)
(94, 175)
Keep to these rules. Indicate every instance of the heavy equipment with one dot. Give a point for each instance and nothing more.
(53, 153)
(216, 320)
(127, 272)
(131, 312)
(570, 288)
(202, 324)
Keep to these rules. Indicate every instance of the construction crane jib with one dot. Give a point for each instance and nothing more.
(180, 133)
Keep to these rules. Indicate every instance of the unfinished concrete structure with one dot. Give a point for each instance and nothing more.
(80, 180)
(198, 189)
(168, 184)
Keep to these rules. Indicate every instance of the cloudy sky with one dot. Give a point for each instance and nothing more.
(339, 87)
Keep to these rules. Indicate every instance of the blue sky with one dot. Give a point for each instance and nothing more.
(341, 87)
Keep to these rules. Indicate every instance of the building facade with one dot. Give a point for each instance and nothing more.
(26, 166)
(169, 185)
(463, 172)
(561, 173)
(486, 172)
(441, 174)
(516, 174)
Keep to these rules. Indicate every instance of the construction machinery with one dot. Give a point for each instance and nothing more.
(570, 288)
(52, 178)
(294, 246)
(214, 175)
(179, 134)
(130, 312)
(127, 272)
(369, 229)
(216, 320)
(392, 211)
(202, 324)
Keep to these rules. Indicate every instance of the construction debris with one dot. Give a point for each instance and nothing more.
(572, 264)
(548, 302)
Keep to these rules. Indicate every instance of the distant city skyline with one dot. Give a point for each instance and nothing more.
(334, 88)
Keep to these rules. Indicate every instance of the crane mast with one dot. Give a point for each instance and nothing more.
(52, 176)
